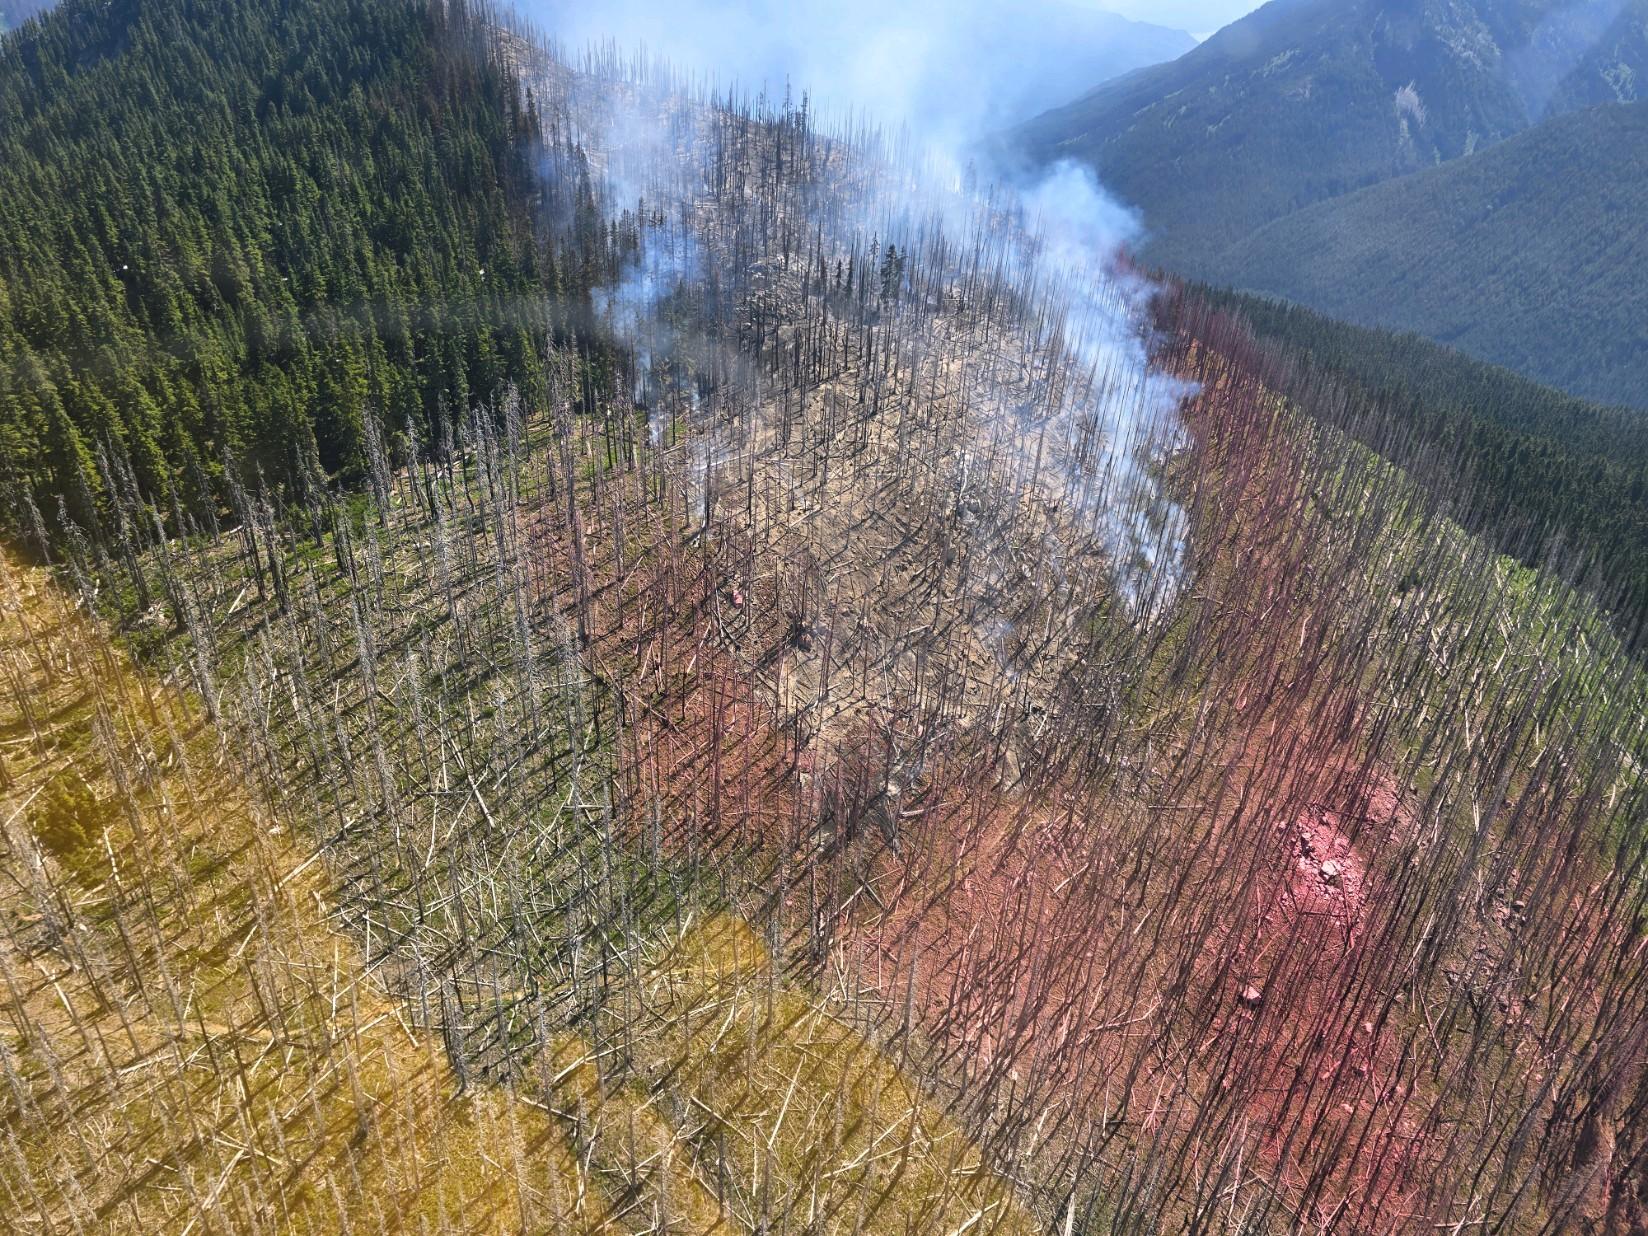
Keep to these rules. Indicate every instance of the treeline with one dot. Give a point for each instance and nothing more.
(237, 231)
(1547, 477)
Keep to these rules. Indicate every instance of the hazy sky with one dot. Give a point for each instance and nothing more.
(952, 69)
(1199, 17)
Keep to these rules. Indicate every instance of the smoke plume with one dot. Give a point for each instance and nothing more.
(917, 91)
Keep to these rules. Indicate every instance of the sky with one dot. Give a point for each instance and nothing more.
(1199, 17)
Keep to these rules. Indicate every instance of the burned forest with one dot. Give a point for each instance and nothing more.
(832, 702)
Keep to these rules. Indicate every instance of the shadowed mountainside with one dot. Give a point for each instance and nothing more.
(1528, 254)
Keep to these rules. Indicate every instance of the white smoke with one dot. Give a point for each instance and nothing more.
(1083, 232)
(635, 308)
(950, 69)
(914, 67)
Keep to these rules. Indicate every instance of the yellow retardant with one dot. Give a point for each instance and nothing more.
(794, 1112)
(186, 1043)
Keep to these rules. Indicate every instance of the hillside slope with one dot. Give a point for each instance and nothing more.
(881, 740)
(1529, 254)
(1308, 99)
(166, 940)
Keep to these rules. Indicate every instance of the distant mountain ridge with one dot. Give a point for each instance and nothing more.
(951, 72)
(1307, 101)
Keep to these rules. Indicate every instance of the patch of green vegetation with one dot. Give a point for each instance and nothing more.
(1553, 651)
(68, 819)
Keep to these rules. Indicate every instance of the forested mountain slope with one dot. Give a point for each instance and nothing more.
(229, 229)
(1529, 254)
